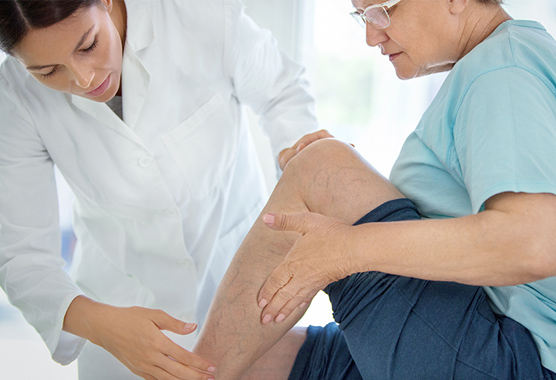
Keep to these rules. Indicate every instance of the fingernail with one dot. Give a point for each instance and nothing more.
(263, 303)
(211, 369)
(266, 319)
(302, 305)
(280, 318)
(190, 325)
(268, 218)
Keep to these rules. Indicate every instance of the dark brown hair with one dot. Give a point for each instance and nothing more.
(491, 2)
(18, 17)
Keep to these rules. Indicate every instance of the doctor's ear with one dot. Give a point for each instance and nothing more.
(108, 5)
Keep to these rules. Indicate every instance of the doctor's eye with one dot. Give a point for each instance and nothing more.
(92, 47)
(48, 75)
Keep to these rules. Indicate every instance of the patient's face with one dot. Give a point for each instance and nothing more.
(422, 37)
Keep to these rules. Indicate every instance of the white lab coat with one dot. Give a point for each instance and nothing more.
(164, 197)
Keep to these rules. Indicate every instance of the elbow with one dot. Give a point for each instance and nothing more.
(524, 225)
(541, 260)
(545, 266)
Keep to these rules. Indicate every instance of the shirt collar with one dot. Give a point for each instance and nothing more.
(140, 29)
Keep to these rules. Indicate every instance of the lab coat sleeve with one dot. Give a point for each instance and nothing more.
(31, 267)
(267, 80)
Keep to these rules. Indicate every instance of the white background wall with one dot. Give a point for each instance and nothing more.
(313, 32)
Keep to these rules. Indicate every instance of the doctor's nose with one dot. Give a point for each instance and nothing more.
(374, 37)
(83, 76)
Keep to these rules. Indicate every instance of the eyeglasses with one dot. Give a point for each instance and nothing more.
(376, 15)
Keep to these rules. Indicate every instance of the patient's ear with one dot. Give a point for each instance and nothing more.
(457, 6)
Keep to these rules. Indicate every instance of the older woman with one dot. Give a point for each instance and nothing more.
(455, 282)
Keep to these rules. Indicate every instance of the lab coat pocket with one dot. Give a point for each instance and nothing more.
(204, 146)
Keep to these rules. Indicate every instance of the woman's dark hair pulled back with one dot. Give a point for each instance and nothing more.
(18, 17)
(492, 2)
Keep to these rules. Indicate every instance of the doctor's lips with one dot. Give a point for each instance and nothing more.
(100, 89)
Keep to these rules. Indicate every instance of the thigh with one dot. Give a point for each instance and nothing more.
(402, 328)
(324, 356)
(406, 328)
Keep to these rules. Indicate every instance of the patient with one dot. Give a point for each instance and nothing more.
(454, 281)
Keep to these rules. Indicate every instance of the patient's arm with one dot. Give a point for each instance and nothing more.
(327, 177)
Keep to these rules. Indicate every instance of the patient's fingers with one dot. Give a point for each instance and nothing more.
(285, 300)
(270, 297)
(298, 302)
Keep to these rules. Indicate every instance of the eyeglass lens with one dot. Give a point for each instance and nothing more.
(377, 17)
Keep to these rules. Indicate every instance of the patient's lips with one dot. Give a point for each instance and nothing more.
(394, 56)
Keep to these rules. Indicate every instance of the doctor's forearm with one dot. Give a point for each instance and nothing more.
(80, 316)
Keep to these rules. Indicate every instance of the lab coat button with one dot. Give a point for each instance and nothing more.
(145, 162)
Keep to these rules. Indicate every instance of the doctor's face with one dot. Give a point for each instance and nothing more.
(81, 55)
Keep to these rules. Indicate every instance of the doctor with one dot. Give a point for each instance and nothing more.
(155, 146)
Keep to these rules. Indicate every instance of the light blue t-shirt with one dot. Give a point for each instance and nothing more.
(492, 129)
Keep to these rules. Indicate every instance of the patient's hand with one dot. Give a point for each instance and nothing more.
(319, 257)
(287, 154)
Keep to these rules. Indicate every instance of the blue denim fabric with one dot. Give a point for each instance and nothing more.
(392, 327)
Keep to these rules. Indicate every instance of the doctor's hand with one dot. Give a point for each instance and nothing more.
(319, 257)
(133, 335)
(287, 154)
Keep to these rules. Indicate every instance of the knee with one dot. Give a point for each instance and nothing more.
(321, 154)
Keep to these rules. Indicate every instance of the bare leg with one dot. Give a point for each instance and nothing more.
(327, 177)
(277, 363)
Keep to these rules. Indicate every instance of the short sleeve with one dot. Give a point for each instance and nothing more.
(505, 135)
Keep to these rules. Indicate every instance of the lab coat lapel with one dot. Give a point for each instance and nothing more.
(135, 77)
(104, 115)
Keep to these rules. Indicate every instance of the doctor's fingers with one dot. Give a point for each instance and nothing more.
(312, 137)
(177, 370)
(185, 362)
(165, 321)
(164, 367)
(157, 373)
(287, 154)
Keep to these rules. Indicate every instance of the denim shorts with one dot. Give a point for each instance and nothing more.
(392, 327)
